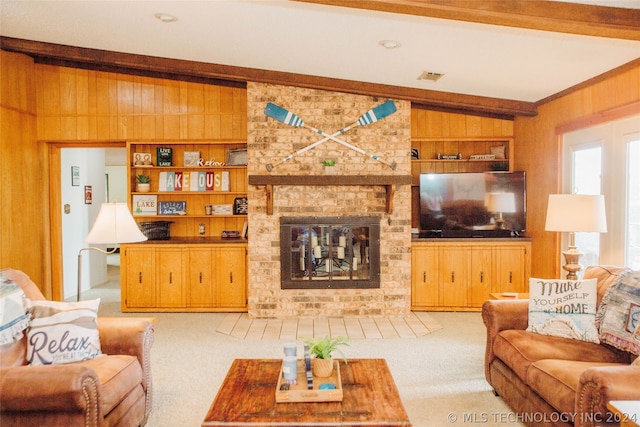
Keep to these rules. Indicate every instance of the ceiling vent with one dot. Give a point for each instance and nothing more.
(428, 75)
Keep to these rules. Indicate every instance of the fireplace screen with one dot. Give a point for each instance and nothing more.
(330, 252)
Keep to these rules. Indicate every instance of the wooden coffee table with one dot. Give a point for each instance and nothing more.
(247, 398)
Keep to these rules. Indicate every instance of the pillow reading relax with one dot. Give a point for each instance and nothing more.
(62, 332)
(563, 308)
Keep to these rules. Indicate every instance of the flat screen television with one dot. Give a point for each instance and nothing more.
(484, 204)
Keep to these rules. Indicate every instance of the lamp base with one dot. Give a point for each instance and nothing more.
(572, 262)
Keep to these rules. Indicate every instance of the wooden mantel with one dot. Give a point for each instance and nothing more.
(388, 181)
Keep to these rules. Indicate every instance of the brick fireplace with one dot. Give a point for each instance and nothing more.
(359, 187)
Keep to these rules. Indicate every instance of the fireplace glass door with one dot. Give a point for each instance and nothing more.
(334, 252)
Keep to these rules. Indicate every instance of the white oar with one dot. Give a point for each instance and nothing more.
(375, 114)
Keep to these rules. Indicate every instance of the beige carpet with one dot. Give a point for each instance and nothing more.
(240, 325)
(439, 375)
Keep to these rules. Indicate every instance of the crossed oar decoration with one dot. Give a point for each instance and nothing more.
(288, 118)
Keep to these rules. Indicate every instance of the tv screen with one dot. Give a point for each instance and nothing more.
(473, 201)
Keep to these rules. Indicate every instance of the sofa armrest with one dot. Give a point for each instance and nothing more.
(53, 388)
(131, 336)
(502, 315)
(601, 384)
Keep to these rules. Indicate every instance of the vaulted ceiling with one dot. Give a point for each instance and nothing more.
(498, 58)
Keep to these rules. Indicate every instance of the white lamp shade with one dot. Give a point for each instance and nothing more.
(114, 224)
(501, 202)
(576, 213)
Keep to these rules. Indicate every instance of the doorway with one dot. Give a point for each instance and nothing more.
(82, 176)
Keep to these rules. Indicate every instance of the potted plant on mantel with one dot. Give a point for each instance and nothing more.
(329, 166)
(322, 348)
(143, 183)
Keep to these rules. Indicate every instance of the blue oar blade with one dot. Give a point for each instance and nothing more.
(377, 113)
(282, 115)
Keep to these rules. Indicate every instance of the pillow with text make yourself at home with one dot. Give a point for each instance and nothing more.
(62, 332)
(563, 308)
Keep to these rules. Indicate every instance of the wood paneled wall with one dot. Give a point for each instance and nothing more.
(538, 153)
(24, 227)
(43, 104)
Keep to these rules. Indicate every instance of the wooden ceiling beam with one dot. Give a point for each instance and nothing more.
(559, 17)
(70, 56)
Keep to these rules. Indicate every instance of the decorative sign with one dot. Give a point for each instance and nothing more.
(88, 195)
(191, 158)
(240, 206)
(75, 176)
(142, 159)
(145, 205)
(172, 208)
(164, 156)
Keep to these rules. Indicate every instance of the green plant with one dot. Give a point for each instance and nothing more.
(323, 347)
(143, 179)
(329, 162)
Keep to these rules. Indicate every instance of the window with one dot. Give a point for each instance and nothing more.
(603, 160)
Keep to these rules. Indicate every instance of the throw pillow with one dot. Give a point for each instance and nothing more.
(13, 311)
(63, 332)
(619, 314)
(563, 308)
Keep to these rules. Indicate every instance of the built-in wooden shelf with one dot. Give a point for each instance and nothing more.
(388, 181)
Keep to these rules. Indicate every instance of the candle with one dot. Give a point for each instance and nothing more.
(340, 252)
(326, 239)
(355, 264)
(314, 241)
(317, 252)
(343, 241)
(329, 265)
(302, 252)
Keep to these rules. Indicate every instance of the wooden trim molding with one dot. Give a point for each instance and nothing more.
(599, 118)
(559, 17)
(84, 58)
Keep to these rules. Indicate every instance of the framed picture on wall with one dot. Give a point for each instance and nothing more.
(75, 176)
(88, 195)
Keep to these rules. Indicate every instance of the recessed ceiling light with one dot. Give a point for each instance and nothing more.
(430, 75)
(389, 44)
(165, 17)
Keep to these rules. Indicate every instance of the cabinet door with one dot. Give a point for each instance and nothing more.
(169, 278)
(201, 280)
(511, 270)
(454, 276)
(231, 277)
(481, 275)
(424, 277)
(138, 265)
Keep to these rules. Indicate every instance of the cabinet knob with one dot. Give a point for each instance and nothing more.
(453, 277)
(170, 278)
(424, 277)
(140, 277)
(511, 277)
(231, 277)
(482, 277)
(201, 277)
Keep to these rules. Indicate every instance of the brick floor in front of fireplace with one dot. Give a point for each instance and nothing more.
(240, 325)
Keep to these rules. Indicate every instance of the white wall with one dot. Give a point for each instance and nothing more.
(77, 223)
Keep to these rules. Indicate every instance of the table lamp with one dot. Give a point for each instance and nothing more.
(574, 213)
(501, 203)
(113, 225)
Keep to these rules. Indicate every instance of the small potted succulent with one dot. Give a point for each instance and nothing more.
(143, 183)
(322, 349)
(329, 166)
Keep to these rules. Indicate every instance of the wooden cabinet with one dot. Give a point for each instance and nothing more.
(213, 182)
(183, 277)
(218, 277)
(460, 274)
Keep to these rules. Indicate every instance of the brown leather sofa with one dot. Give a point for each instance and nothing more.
(552, 381)
(111, 390)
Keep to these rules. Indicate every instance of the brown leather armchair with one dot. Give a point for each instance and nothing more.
(110, 390)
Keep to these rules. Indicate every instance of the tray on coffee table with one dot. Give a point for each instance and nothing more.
(299, 392)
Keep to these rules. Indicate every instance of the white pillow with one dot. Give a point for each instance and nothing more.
(563, 308)
(63, 332)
